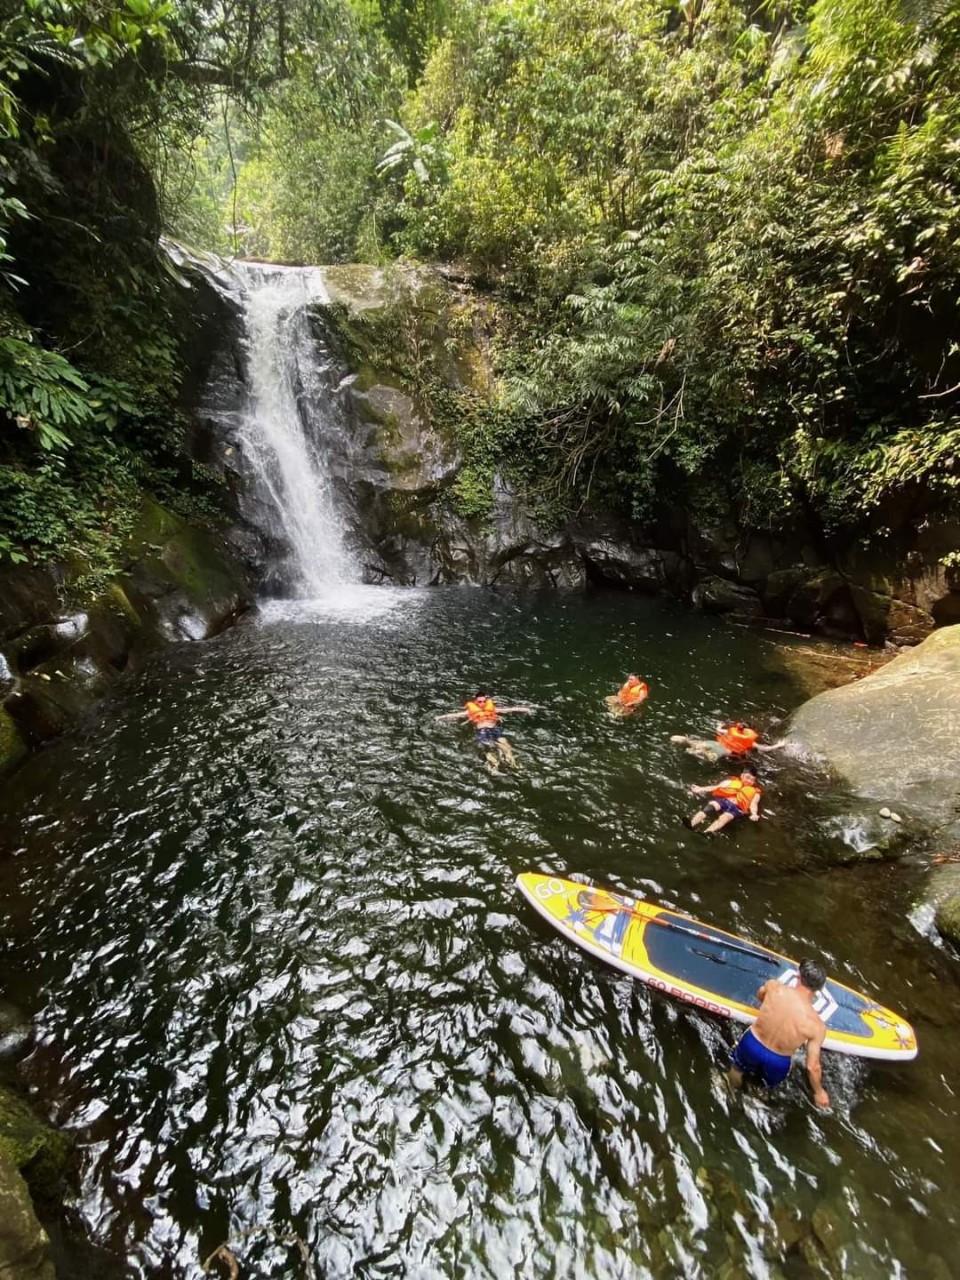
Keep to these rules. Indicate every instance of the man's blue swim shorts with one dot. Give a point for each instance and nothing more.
(755, 1059)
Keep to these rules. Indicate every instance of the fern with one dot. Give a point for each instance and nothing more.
(41, 392)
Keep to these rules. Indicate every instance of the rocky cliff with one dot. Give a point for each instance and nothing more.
(419, 463)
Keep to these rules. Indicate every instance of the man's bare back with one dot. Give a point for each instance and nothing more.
(786, 1019)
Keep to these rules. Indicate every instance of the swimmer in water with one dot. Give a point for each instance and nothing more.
(632, 694)
(484, 716)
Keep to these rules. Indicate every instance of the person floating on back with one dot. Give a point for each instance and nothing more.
(787, 1020)
(732, 798)
(484, 715)
(632, 694)
(732, 740)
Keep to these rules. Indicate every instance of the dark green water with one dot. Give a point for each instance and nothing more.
(288, 997)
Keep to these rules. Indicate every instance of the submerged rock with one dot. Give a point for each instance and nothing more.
(893, 735)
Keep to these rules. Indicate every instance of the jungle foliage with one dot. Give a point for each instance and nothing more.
(724, 235)
(732, 235)
(101, 104)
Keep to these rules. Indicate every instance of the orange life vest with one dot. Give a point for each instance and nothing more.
(478, 712)
(740, 792)
(738, 739)
(631, 694)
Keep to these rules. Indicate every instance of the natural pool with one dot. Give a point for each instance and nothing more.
(287, 995)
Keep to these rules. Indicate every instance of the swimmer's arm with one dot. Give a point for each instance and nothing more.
(820, 1095)
(453, 715)
(755, 809)
(701, 791)
(527, 711)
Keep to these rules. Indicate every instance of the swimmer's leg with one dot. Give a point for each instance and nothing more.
(735, 1079)
(723, 821)
(506, 751)
(493, 761)
(703, 814)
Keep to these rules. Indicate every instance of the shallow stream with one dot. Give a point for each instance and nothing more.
(263, 913)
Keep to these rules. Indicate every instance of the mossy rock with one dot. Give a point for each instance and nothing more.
(948, 919)
(40, 1152)
(24, 1245)
(155, 526)
(12, 746)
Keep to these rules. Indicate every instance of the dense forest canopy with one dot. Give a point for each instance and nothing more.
(724, 236)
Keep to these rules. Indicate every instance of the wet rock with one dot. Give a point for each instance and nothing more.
(813, 599)
(37, 1150)
(613, 561)
(947, 919)
(719, 595)
(883, 617)
(181, 583)
(15, 1030)
(864, 837)
(892, 735)
(24, 1245)
(831, 1227)
(12, 746)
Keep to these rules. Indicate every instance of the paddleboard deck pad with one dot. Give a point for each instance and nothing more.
(707, 967)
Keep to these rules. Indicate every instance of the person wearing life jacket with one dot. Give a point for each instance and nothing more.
(732, 798)
(735, 740)
(738, 739)
(633, 693)
(484, 716)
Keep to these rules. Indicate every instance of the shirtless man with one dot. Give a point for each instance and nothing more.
(786, 1021)
(485, 715)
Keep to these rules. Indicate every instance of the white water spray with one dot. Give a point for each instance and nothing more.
(285, 421)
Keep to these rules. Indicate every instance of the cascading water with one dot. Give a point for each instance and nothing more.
(285, 421)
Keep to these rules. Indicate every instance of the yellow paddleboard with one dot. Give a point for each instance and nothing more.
(707, 967)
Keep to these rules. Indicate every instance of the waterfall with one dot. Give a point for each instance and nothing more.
(286, 420)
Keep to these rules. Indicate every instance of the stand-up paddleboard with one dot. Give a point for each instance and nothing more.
(707, 967)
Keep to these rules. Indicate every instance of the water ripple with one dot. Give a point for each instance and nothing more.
(288, 998)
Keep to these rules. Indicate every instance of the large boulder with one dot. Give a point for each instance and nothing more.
(947, 919)
(893, 735)
(720, 595)
(24, 1245)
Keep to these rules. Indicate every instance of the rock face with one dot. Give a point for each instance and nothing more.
(893, 735)
(180, 583)
(411, 379)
